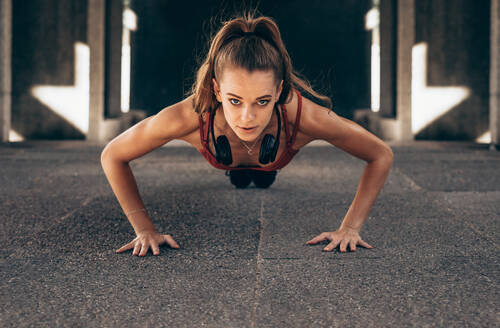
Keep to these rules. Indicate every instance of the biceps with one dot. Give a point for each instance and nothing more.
(352, 138)
(359, 142)
(170, 123)
(135, 142)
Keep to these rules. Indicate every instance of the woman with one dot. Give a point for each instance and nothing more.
(246, 116)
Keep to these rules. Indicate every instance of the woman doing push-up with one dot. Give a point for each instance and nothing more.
(246, 116)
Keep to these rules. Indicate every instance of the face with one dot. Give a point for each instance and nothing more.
(248, 99)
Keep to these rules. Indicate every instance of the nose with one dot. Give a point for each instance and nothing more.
(247, 114)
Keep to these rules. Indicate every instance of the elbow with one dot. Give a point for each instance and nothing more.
(106, 156)
(384, 157)
(388, 156)
(109, 156)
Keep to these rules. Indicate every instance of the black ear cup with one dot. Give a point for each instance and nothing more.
(267, 149)
(222, 147)
(270, 144)
(223, 151)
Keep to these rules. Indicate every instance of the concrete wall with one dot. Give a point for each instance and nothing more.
(5, 68)
(43, 54)
(495, 75)
(326, 40)
(456, 36)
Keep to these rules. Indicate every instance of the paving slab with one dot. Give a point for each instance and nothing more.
(370, 292)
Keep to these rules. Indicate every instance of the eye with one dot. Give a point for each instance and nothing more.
(234, 101)
(263, 102)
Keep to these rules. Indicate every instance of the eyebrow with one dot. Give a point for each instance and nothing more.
(232, 94)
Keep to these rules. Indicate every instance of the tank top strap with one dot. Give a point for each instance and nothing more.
(297, 117)
(204, 130)
(285, 119)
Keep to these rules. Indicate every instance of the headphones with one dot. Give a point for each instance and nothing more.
(268, 148)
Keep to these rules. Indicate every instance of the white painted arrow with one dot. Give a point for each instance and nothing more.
(430, 103)
(70, 102)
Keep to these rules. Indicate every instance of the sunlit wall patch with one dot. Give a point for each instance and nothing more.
(430, 103)
(70, 102)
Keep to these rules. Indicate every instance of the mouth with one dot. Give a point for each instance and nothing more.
(248, 129)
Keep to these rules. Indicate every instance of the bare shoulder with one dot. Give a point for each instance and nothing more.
(176, 121)
(309, 110)
(173, 122)
(314, 114)
(319, 122)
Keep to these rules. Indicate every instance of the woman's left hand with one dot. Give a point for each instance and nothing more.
(342, 236)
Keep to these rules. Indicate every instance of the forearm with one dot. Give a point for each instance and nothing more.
(372, 181)
(123, 183)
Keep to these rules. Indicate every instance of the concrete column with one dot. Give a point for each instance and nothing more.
(96, 28)
(104, 73)
(5, 68)
(495, 75)
(114, 28)
(405, 42)
(388, 58)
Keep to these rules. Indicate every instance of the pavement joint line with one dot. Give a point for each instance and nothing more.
(434, 200)
(258, 264)
(410, 181)
(59, 220)
(474, 266)
(471, 226)
(67, 215)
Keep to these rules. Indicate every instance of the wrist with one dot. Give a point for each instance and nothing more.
(145, 231)
(148, 228)
(140, 221)
(348, 228)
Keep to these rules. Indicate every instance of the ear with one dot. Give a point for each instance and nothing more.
(216, 90)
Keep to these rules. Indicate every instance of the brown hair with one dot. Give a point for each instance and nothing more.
(253, 44)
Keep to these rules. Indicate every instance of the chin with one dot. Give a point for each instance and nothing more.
(248, 137)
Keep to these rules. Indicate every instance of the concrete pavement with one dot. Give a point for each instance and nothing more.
(243, 261)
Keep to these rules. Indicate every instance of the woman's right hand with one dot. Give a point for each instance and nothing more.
(146, 239)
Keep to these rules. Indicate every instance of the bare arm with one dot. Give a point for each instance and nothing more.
(320, 123)
(172, 122)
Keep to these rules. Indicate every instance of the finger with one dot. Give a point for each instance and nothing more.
(155, 248)
(125, 247)
(170, 241)
(331, 246)
(144, 249)
(352, 243)
(137, 248)
(343, 246)
(365, 244)
(317, 239)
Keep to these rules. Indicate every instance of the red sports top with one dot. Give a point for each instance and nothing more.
(279, 163)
